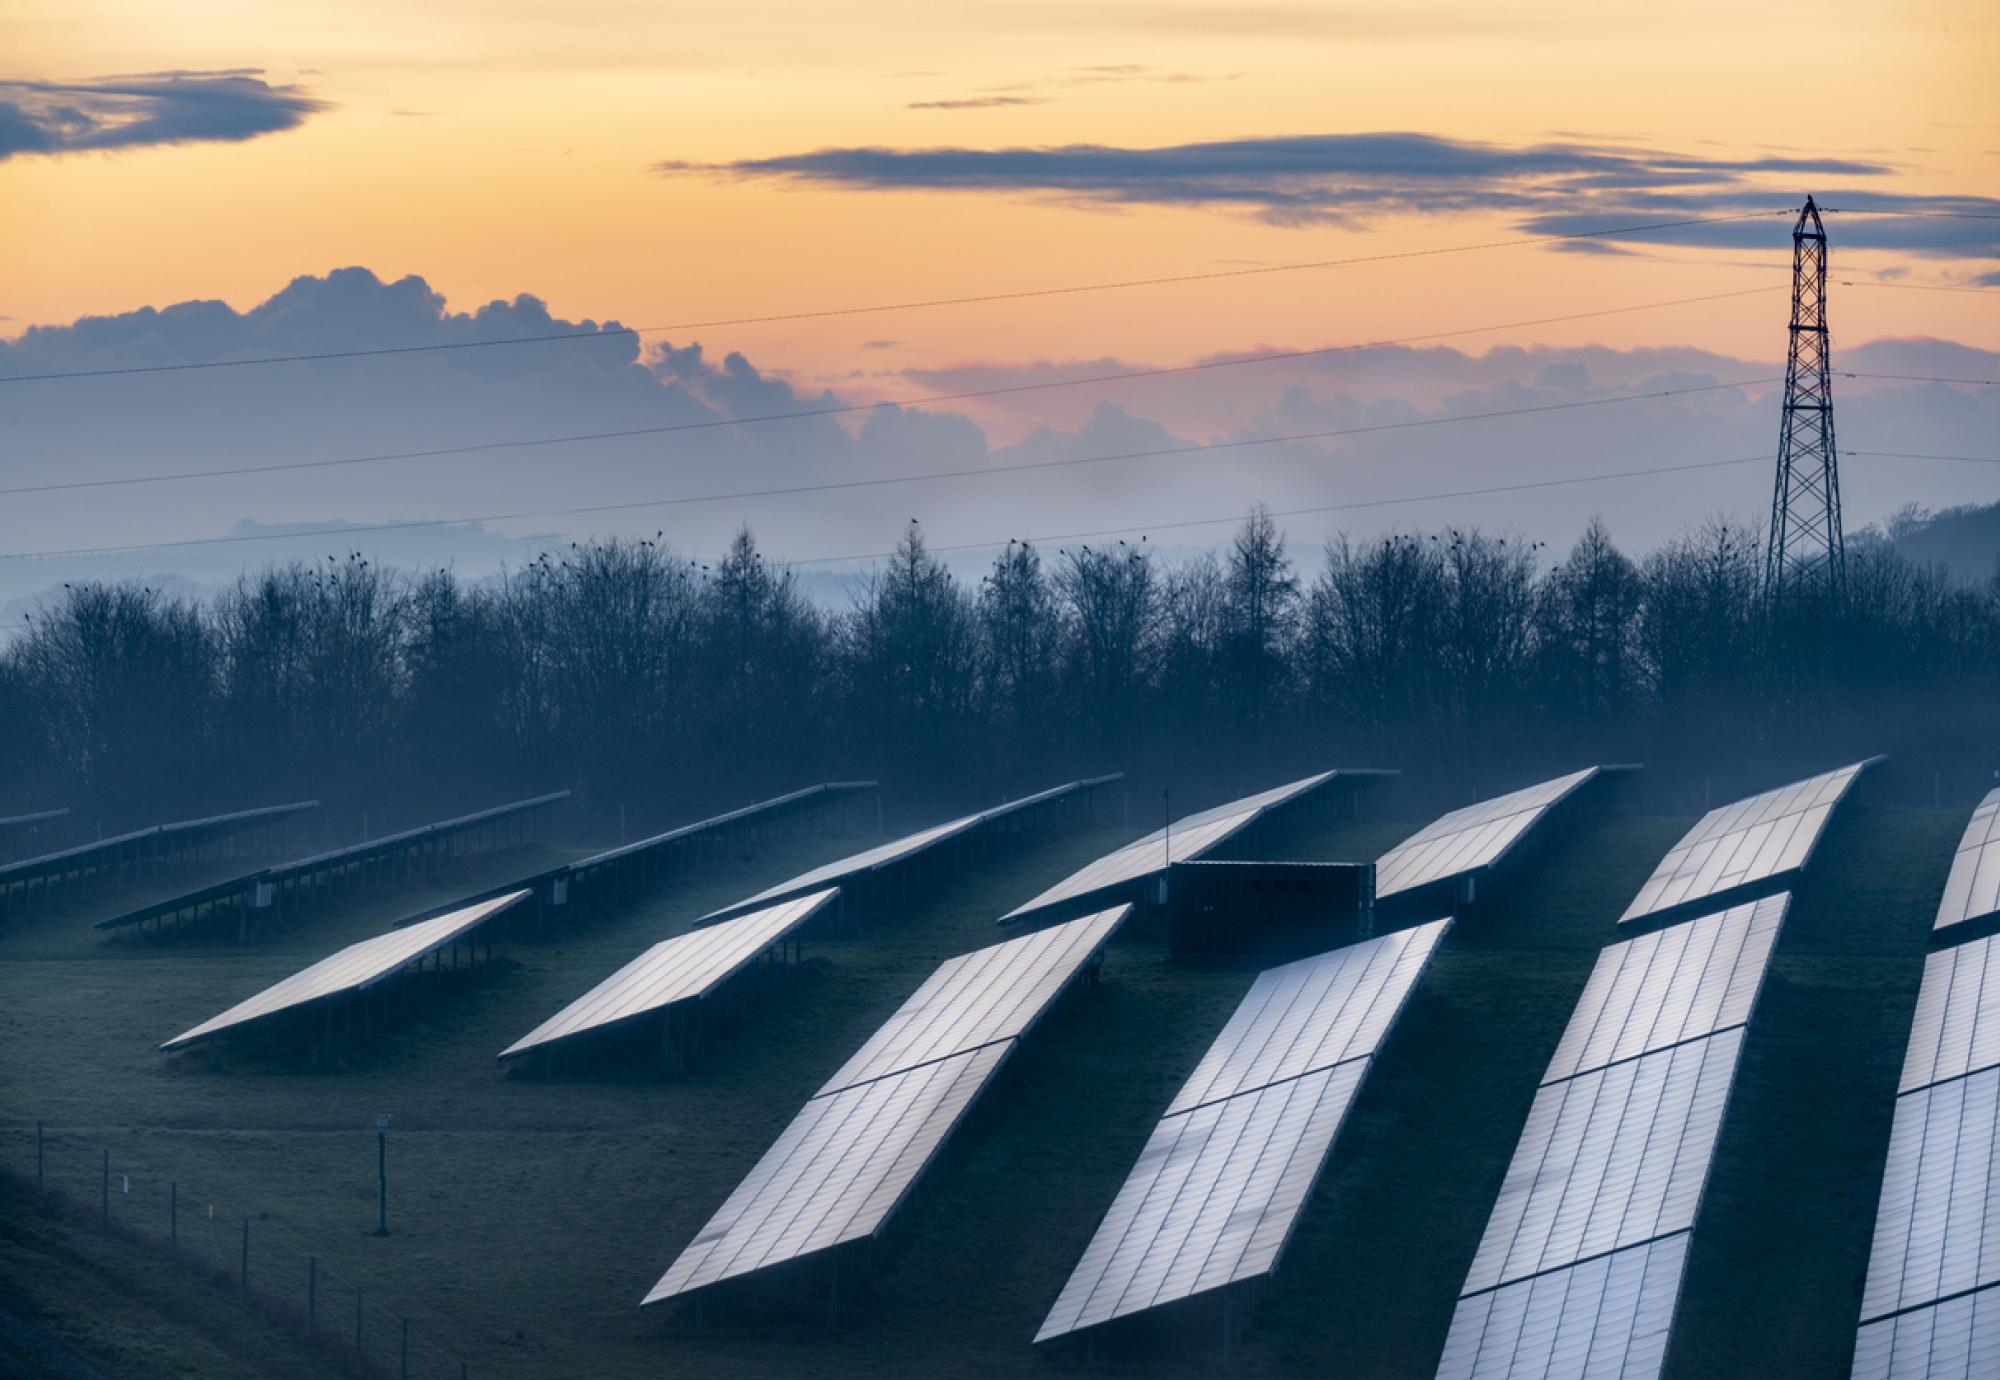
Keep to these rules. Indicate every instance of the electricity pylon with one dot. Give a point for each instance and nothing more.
(1806, 557)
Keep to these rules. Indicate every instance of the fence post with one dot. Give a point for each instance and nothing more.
(243, 1276)
(104, 1189)
(312, 1291)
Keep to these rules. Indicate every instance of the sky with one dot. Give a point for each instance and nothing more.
(309, 177)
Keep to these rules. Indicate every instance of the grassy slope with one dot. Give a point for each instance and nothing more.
(531, 1215)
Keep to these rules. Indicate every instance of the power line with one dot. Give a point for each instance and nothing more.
(1196, 448)
(986, 472)
(1920, 215)
(1309, 512)
(1393, 502)
(846, 409)
(1921, 287)
(1918, 378)
(877, 308)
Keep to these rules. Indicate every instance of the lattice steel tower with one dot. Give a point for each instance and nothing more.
(1806, 555)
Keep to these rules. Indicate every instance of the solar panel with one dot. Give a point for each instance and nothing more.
(1217, 1189)
(1957, 1026)
(1604, 1319)
(1312, 1014)
(979, 998)
(1182, 841)
(1673, 985)
(842, 1166)
(1212, 1199)
(882, 855)
(167, 835)
(683, 968)
(1958, 1339)
(825, 790)
(1751, 841)
(1608, 1159)
(1468, 839)
(354, 968)
(1937, 1231)
(1972, 890)
(836, 1173)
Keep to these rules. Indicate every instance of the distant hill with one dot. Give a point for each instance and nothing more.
(1967, 538)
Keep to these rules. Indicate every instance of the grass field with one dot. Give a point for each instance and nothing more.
(530, 1215)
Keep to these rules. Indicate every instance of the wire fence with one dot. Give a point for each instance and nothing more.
(351, 1325)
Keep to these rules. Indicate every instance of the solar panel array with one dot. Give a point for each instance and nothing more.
(1580, 1264)
(1606, 1319)
(826, 790)
(1670, 986)
(1972, 890)
(156, 838)
(1745, 844)
(1931, 1302)
(980, 998)
(837, 1173)
(352, 969)
(1958, 1339)
(685, 968)
(1183, 841)
(897, 850)
(1218, 1188)
(245, 887)
(1472, 838)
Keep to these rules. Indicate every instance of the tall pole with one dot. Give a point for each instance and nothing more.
(1805, 556)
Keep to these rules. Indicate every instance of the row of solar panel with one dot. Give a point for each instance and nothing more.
(838, 1172)
(680, 969)
(165, 835)
(244, 888)
(1289, 1032)
(1214, 1197)
(1218, 1189)
(688, 967)
(1931, 1303)
(1580, 1264)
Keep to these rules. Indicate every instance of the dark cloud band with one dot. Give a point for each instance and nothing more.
(117, 113)
(1559, 187)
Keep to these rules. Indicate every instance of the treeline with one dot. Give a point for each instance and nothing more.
(632, 672)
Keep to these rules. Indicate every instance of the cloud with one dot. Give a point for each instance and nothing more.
(622, 393)
(109, 114)
(1290, 179)
(1550, 188)
(977, 103)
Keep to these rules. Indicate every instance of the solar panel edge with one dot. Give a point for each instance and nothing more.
(1830, 789)
(1060, 895)
(529, 1042)
(486, 909)
(1081, 927)
(1430, 934)
(1432, 833)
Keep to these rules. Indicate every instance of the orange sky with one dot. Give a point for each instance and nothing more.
(527, 166)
